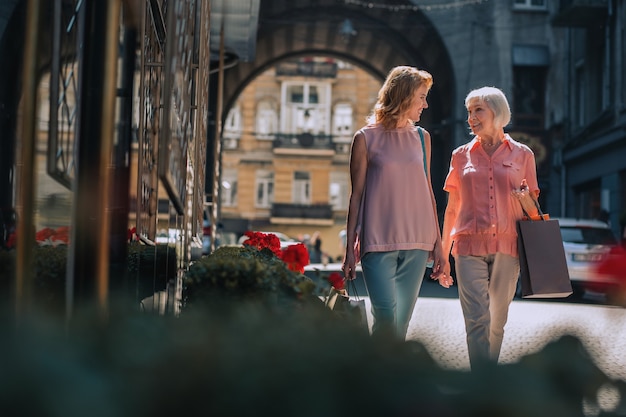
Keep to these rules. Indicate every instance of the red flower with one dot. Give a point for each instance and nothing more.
(296, 257)
(44, 234)
(336, 280)
(132, 234)
(11, 241)
(262, 240)
(62, 234)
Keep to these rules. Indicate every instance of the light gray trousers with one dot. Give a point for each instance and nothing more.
(486, 288)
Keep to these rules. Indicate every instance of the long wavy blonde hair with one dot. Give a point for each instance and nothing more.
(396, 95)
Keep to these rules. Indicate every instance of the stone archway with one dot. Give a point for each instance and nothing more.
(383, 38)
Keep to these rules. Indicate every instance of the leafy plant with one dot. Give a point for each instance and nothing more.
(243, 273)
(148, 270)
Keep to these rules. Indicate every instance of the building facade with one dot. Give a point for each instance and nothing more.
(285, 149)
(592, 163)
(253, 122)
(559, 63)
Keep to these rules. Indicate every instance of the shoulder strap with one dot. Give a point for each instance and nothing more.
(419, 130)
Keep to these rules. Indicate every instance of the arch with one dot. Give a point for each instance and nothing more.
(382, 39)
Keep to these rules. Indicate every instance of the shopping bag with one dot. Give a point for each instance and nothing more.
(543, 267)
(351, 309)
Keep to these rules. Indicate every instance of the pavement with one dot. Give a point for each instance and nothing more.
(437, 323)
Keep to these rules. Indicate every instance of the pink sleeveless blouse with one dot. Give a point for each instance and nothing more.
(397, 210)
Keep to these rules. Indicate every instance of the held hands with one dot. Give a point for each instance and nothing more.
(441, 267)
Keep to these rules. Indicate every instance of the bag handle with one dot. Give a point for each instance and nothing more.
(419, 130)
(352, 286)
(541, 215)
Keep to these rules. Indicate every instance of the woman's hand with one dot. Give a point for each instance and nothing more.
(444, 278)
(349, 266)
(527, 201)
(441, 267)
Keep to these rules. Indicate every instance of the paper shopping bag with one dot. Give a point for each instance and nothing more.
(543, 267)
(351, 309)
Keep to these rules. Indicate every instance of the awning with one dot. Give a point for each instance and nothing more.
(240, 19)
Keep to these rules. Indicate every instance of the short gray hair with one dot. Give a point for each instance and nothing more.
(495, 99)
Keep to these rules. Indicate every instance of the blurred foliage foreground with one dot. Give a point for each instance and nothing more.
(269, 347)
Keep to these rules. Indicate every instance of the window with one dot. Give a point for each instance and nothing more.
(580, 96)
(301, 187)
(528, 96)
(266, 120)
(232, 125)
(588, 199)
(264, 189)
(229, 188)
(342, 121)
(306, 108)
(530, 4)
(339, 190)
(588, 235)
(232, 129)
(622, 99)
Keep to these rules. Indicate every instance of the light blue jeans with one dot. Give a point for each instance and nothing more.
(486, 288)
(393, 280)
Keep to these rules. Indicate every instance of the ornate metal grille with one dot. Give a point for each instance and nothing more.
(64, 88)
(150, 115)
(177, 101)
(173, 115)
(201, 109)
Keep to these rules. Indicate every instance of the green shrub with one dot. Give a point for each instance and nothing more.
(256, 362)
(148, 269)
(243, 273)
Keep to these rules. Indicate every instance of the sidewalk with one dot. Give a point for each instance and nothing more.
(438, 324)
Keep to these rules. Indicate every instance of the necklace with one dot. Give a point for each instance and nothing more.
(489, 145)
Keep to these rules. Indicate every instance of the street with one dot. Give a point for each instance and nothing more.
(438, 323)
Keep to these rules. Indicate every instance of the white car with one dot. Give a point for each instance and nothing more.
(586, 244)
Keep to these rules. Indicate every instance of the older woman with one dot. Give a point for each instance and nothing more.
(480, 220)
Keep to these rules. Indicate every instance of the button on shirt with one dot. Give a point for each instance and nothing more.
(487, 211)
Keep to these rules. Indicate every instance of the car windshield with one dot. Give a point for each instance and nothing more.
(588, 235)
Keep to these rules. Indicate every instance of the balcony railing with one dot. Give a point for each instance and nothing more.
(581, 13)
(303, 140)
(302, 211)
(307, 69)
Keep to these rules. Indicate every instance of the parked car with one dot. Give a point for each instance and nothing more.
(170, 236)
(586, 244)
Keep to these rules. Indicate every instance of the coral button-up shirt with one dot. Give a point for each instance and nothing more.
(487, 211)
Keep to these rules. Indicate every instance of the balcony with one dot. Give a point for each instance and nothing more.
(303, 144)
(309, 214)
(581, 13)
(303, 140)
(307, 69)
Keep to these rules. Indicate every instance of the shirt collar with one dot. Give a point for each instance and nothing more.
(476, 143)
